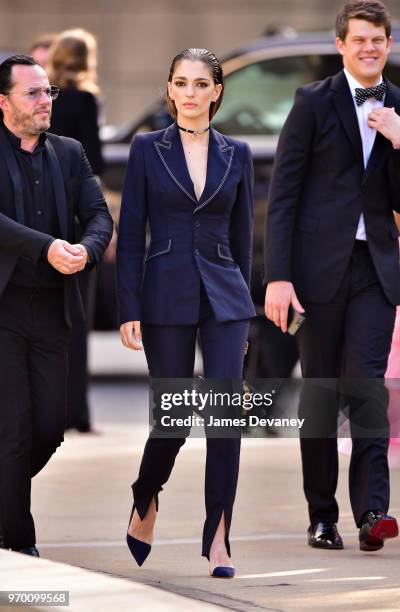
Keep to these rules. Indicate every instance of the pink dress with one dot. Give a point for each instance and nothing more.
(392, 378)
(393, 384)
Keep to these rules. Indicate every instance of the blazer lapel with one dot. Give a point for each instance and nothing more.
(381, 143)
(220, 157)
(15, 175)
(58, 188)
(170, 151)
(344, 105)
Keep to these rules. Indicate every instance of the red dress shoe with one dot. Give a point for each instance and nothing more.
(375, 529)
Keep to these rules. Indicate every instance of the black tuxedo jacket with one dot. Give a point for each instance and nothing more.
(76, 193)
(319, 188)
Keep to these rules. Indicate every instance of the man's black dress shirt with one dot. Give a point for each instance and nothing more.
(40, 213)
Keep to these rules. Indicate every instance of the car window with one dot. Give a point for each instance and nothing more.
(258, 97)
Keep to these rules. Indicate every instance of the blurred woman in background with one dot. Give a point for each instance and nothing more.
(72, 66)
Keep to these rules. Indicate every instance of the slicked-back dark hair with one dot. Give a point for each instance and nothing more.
(373, 11)
(216, 72)
(6, 69)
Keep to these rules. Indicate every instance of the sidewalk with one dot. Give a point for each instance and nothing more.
(87, 590)
(82, 501)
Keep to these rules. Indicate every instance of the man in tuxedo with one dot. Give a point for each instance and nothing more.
(331, 251)
(45, 180)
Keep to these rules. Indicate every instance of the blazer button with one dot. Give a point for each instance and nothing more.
(196, 252)
(197, 224)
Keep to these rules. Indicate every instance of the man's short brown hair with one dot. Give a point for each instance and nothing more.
(369, 10)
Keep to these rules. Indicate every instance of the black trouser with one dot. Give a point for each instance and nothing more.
(350, 337)
(78, 413)
(33, 374)
(170, 353)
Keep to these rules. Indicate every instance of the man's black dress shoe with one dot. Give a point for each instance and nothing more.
(375, 529)
(29, 550)
(324, 535)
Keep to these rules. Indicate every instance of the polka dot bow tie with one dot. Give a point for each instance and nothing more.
(377, 92)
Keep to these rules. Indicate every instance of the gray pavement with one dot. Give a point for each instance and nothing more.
(81, 590)
(82, 500)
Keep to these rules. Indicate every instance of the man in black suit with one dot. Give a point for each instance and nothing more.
(332, 251)
(45, 180)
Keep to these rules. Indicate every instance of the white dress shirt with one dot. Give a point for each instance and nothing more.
(368, 134)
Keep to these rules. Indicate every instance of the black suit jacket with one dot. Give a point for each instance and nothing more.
(319, 188)
(77, 193)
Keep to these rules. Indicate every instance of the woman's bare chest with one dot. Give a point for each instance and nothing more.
(196, 160)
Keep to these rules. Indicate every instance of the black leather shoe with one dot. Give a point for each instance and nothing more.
(324, 535)
(375, 529)
(29, 550)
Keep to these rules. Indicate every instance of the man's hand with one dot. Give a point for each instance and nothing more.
(65, 257)
(131, 335)
(387, 122)
(278, 297)
(82, 250)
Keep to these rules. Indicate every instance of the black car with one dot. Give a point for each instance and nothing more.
(260, 82)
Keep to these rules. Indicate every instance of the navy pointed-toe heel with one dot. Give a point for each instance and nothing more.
(223, 572)
(139, 550)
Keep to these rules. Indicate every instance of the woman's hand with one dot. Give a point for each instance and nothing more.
(131, 335)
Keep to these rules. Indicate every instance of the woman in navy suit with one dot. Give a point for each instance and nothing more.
(194, 187)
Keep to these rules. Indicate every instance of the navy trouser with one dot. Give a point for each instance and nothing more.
(170, 352)
(350, 337)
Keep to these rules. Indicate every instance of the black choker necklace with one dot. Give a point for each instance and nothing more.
(194, 133)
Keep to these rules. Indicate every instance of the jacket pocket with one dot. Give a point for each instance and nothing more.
(224, 252)
(161, 247)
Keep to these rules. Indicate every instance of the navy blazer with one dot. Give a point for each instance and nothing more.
(208, 240)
